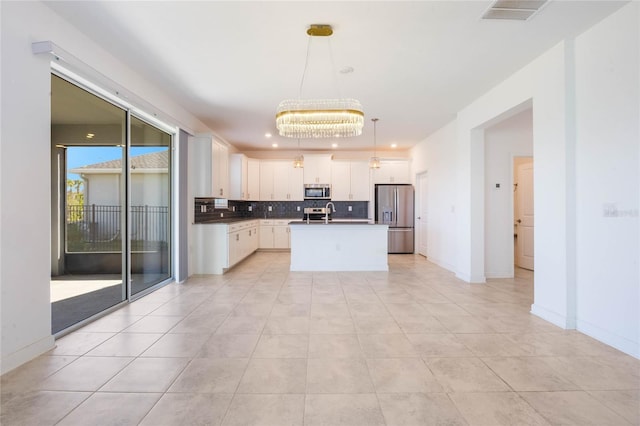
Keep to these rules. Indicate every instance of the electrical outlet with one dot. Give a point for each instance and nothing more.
(270, 208)
(203, 208)
(233, 208)
(298, 208)
(221, 214)
(350, 208)
(250, 208)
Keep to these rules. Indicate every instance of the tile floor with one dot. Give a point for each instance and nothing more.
(262, 346)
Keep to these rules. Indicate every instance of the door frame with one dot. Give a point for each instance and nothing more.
(420, 194)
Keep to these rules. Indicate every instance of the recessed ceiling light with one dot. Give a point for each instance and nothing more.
(334, 145)
(394, 145)
(346, 70)
(267, 135)
(275, 145)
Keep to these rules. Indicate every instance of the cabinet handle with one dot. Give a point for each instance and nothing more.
(249, 232)
(220, 191)
(237, 237)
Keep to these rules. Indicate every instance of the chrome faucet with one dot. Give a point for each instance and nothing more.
(326, 213)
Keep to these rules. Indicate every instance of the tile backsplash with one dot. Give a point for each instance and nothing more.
(206, 212)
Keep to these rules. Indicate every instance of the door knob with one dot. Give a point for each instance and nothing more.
(519, 221)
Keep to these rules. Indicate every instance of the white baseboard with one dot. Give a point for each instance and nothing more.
(21, 356)
(445, 265)
(475, 279)
(503, 274)
(621, 343)
(553, 317)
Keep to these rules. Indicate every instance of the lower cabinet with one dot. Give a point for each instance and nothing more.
(274, 234)
(218, 246)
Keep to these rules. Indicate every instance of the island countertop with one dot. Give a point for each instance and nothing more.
(339, 246)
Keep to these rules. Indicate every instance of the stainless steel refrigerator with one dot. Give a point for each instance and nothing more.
(394, 207)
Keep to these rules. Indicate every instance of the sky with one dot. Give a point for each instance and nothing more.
(85, 155)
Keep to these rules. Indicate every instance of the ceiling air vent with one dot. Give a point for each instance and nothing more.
(515, 10)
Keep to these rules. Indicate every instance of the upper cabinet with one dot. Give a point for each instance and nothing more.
(220, 170)
(317, 168)
(209, 167)
(392, 171)
(238, 177)
(253, 179)
(280, 181)
(350, 181)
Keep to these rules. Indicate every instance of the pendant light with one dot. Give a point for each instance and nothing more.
(374, 162)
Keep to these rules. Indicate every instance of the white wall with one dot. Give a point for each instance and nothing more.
(25, 134)
(510, 138)
(608, 180)
(436, 155)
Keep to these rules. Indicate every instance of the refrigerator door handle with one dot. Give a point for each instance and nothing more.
(397, 205)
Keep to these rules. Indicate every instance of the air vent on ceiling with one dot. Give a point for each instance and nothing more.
(516, 10)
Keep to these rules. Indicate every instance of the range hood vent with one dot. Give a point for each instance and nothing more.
(514, 10)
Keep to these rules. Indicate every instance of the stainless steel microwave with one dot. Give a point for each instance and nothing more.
(317, 191)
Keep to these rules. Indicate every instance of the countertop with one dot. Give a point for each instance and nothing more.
(295, 220)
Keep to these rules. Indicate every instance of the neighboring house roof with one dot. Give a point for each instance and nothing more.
(152, 162)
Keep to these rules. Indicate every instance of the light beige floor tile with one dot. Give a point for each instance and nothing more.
(287, 325)
(146, 375)
(405, 309)
(626, 403)
(188, 409)
(444, 310)
(439, 345)
(572, 409)
(207, 375)
(294, 295)
(199, 324)
(411, 409)
(39, 408)
(420, 324)
(465, 375)
(376, 325)
(343, 410)
(176, 346)
(79, 343)
(338, 376)
(465, 324)
(85, 374)
(28, 376)
(386, 346)
(402, 375)
(491, 344)
(154, 324)
(282, 346)
(103, 409)
(262, 410)
(291, 310)
(111, 324)
(126, 344)
(340, 325)
(247, 309)
(496, 409)
(367, 310)
(242, 325)
(529, 374)
(329, 310)
(265, 375)
(229, 346)
(334, 346)
(590, 373)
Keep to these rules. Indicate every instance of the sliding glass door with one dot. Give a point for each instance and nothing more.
(111, 203)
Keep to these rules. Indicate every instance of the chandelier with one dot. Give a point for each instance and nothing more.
(374, 162)
(298, 160)
(319, 118)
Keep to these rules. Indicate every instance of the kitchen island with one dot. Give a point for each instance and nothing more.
(338, 246)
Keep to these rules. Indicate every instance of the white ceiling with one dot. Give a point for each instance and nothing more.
(415, 63)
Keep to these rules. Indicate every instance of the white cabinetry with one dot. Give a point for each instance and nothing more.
(317, 168)
(275, 234)
(392, 171)
(350, 181)
(209, 167)
(279, 181)
(253, 179)
(219, 246)
(238, 177)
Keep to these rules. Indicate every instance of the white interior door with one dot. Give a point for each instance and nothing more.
(421, 219)
(524, 216)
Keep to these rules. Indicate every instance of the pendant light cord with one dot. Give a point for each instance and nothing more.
(306, 64)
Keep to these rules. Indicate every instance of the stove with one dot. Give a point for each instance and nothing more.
(316, 214)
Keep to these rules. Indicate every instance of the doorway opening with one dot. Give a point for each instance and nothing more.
(523, 208)
(422, 213)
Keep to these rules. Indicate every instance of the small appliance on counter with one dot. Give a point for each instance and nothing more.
(316, 214)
